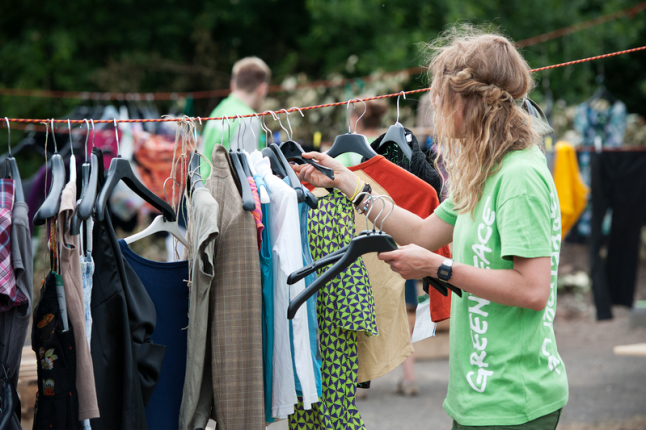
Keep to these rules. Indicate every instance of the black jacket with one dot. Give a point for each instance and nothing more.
(126, 362)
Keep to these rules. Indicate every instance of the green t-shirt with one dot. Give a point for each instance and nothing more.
(504, 365)
(213, 130)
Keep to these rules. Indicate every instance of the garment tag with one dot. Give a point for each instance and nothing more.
(60, 294)
(424, 326)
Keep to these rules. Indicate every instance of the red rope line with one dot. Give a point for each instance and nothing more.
(80, 121)
(631, 11)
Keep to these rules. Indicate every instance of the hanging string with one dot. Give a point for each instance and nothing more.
(294, 109)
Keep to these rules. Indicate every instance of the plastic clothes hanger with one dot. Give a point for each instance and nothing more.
(52, 202)
(292, 150)
(11, 169)
(397, 134)
(335, 255)
(195, 178)
(371, 241)
(352, 142)
(120, 170)
(441, 286)
(159, 225)
(88, 196)
(248, 202)
(302, 194)
(85, 180)
(239, 152)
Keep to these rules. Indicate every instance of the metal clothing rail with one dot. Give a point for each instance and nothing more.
(97, 95)
(295, 109)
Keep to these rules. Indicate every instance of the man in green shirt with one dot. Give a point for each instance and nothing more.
(249, 84)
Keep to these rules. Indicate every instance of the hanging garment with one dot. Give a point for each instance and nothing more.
(572, 191)
(235, 307)
(419, 164)
(15, 321)
(256, 212)
(57, 402)
(603, 125)
(10, 295)
(344, 307)
(267, 280)
(286, 258)
(166, 285)
(126, 361)
(73, 283)
(197, 396)
(312, 324)
(381, 354)
(618, 184)
(87, 271)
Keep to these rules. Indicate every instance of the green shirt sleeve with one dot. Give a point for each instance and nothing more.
(525, 227)
(445, 211)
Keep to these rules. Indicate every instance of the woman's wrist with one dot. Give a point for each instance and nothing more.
(347, 182)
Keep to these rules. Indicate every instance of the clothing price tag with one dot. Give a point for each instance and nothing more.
(424, 326)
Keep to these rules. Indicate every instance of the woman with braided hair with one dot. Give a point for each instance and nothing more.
(503, 218)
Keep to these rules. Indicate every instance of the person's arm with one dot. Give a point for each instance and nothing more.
(527, 285)
(405, 227)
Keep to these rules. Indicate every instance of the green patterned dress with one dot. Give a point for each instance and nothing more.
(344, 306)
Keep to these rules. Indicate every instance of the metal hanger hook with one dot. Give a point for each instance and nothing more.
(200, 120)
(229, 127)
(401, 93)
(262, 125)
(93, 132)
(87, 136)
(8, 135)
(251, 128)
(164, 187)
(365, 108)
(277, 118)
(383, 206)
(116, 134)
(242, 122)
(69, 128)
(53, 137)
(291, 132)
(392, 208)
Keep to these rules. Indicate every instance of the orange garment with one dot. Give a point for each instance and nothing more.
(154, 156)
(572, 191)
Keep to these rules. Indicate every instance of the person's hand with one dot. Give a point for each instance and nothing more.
(344, 179)
(412, 261)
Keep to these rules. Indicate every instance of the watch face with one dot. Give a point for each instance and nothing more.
(443, 272)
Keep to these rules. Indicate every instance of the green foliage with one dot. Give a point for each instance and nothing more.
(167, 45)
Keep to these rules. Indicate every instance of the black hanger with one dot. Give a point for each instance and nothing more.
(360, 245)
(293, 151)
(303, 194)
(120, 170)
(88, 197)
(89, 182)
(248, 202)
(442, 286)
(52, 202)
(11, 169)
(194, 177)
(352, 142)
(397, 135)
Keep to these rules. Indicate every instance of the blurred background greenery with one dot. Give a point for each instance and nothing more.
(168, 45)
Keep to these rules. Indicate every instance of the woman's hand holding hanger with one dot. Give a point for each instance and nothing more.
(344, 179)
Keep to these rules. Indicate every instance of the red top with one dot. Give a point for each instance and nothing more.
(413, 194)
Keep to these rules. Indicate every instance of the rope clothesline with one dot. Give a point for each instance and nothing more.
(295, 109)
(206, 94)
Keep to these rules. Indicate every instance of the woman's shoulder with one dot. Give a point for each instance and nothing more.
(524, 172)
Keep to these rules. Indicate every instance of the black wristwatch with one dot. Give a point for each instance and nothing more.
(445, 270)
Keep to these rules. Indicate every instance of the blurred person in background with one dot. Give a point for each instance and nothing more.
(249, 84)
